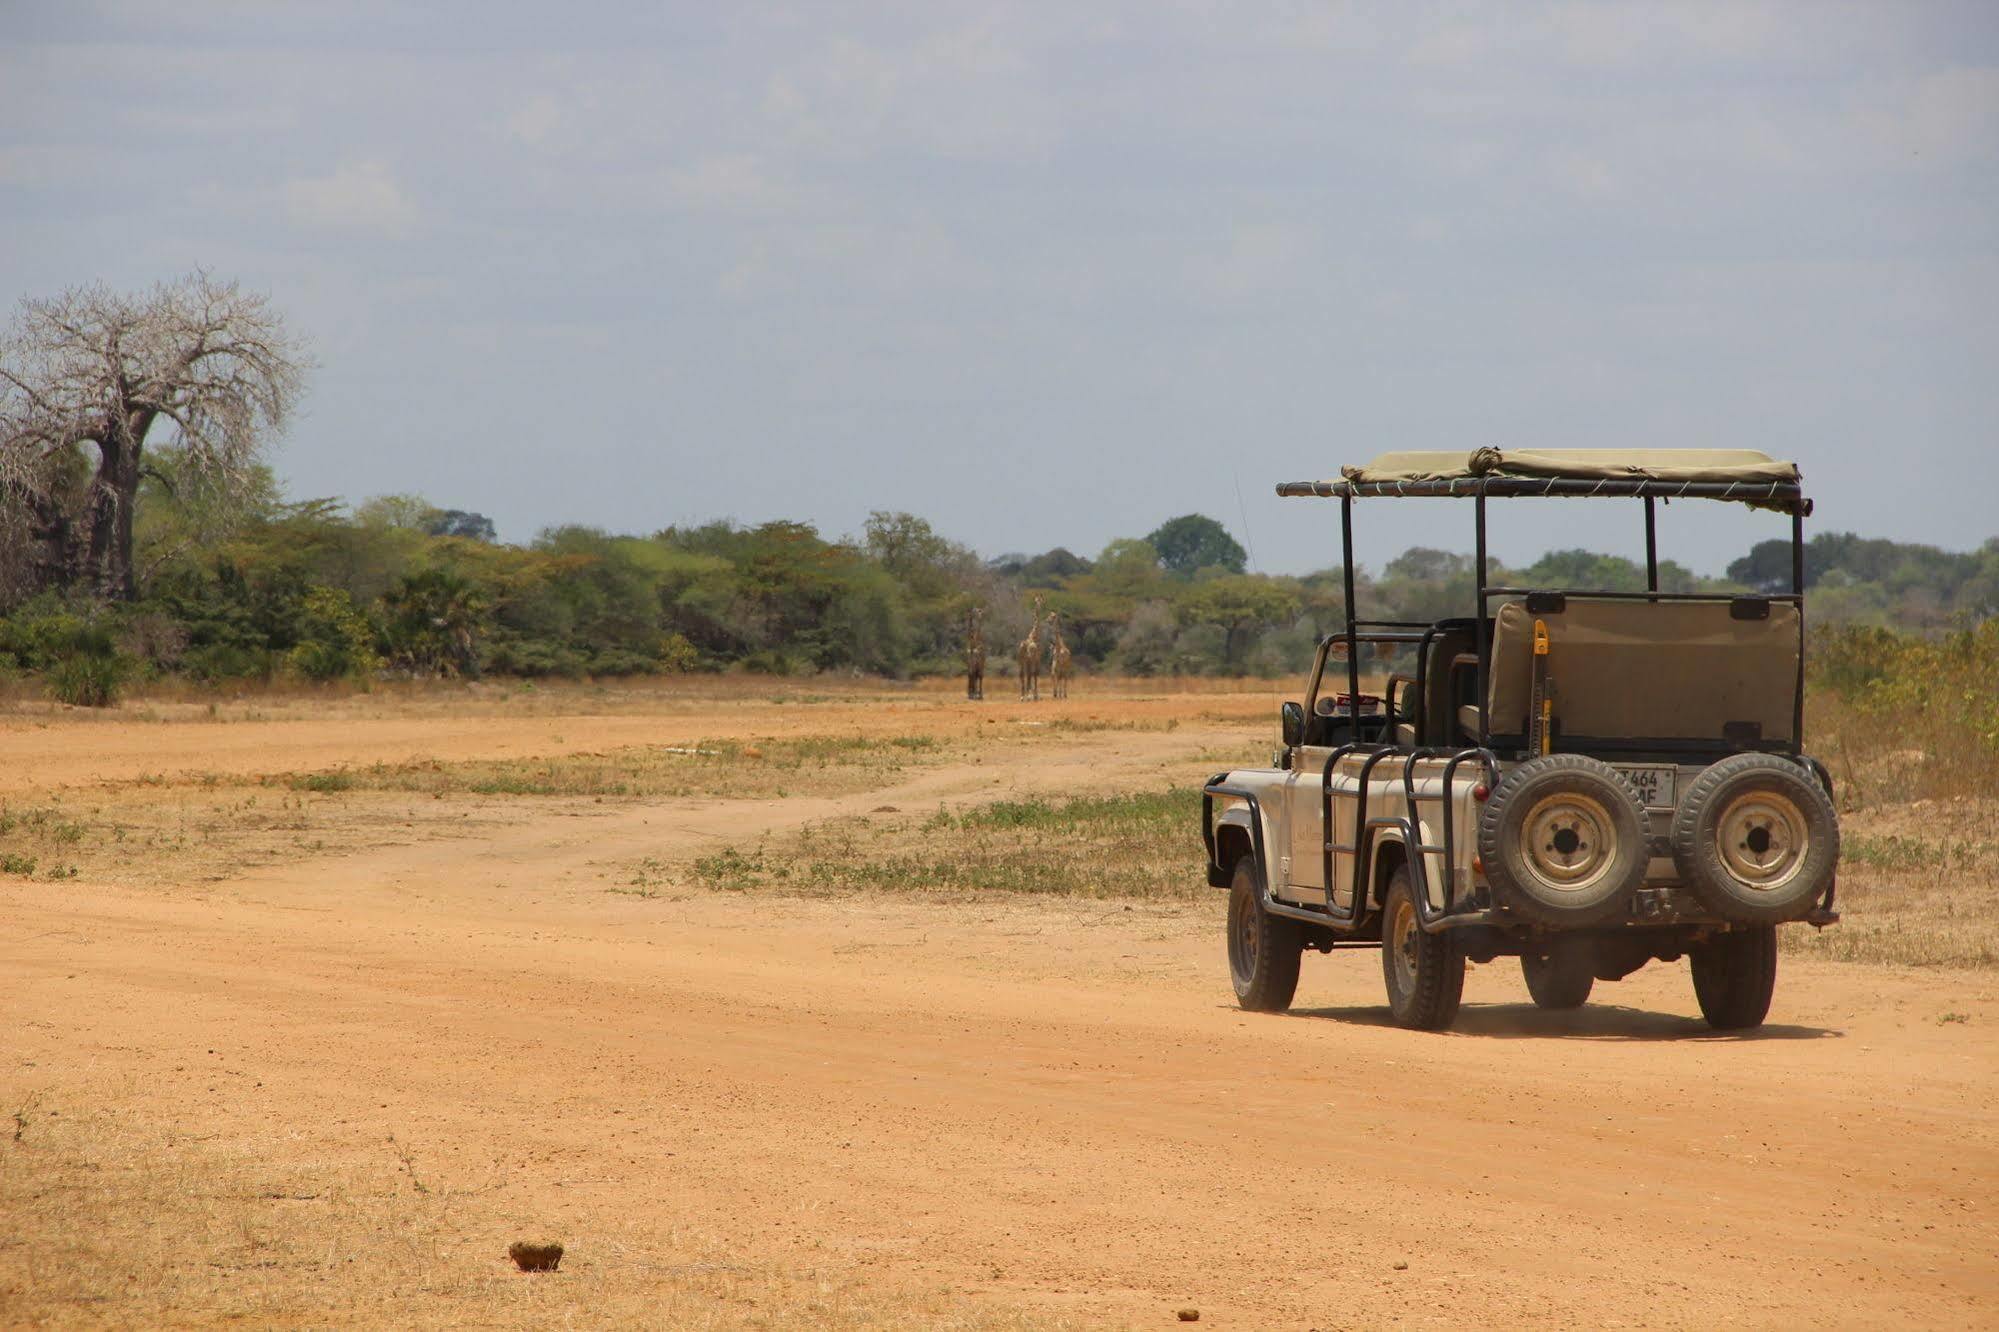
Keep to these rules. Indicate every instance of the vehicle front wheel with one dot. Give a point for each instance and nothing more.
(1734, 976)
(1562, 979)
(1264, 950)
(1425, 973)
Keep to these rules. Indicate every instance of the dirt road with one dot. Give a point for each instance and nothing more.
(1025, 1111)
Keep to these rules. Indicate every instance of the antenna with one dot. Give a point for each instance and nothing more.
(1243, 510)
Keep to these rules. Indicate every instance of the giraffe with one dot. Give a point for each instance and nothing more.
(1061, 665)
(1028, 655)
(975, 655)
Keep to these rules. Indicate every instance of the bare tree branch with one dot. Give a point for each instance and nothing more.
(98, 368)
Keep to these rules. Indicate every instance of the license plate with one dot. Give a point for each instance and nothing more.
(1654, 785)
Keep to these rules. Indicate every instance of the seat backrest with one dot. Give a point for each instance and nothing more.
(1678, 670)
(1439, 707)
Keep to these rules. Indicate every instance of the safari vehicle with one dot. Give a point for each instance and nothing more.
(1588, 780)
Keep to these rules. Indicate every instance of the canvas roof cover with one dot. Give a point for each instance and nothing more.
(1740, 466)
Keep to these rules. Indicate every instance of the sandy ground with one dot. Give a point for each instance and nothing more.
(1033, 1111)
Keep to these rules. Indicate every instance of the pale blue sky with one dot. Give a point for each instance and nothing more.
(1052, 273)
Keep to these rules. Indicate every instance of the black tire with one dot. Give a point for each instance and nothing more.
(1569, 805)
(1424, 973)
(1734, 976)
(1563, 978)
(1756, 838)
(1264, 950)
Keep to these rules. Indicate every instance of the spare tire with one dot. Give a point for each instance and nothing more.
(1563, 841)
(1756, 839)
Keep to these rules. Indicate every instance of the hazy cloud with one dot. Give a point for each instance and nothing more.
(355, 196)
(537, 118)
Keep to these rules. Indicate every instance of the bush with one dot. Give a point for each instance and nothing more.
(1887, 695)
(677, 656)
(40, 633)
(220, 662)
(91, 671)
(534, 658)
(337, 641)
(156, 639)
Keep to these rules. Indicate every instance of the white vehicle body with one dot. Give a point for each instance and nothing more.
(1588, 779)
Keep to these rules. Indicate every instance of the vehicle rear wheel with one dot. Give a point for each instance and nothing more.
(1424, 973)
(1734, 976)
(1264, 950)
(1561, 979)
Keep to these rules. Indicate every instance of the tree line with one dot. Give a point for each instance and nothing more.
(320, 591)
(141, 535)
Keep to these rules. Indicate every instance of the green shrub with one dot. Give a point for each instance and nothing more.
(41, 632)
(677, 656)
(88, 680)
(534, 658)
(217, 663)
(337, 642)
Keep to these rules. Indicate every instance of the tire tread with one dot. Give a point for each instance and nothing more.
(1280, 947)
(1735, 975)
(1440, 968)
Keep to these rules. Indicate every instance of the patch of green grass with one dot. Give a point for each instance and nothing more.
(649, 876)
(12, 863)
(1092, 725)
(1896, 852)
(1143, 811)
(1145, 844)
(337, 780)
(733, 871)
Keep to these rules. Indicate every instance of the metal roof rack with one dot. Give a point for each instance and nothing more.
(1738, 475)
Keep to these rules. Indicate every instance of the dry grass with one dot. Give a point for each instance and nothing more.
(1916, 887)
(115, 1221)
(165, 834)
(814, 765)
(1910, 731)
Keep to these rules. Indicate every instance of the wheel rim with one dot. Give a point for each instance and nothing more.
(1569, 842)
(1402, 942)
(1762, 839)
(1243, 936)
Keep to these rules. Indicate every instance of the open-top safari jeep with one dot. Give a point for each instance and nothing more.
(1588, 780)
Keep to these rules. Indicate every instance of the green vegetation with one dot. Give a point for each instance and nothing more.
(1901, 715)
(1854, 578)
(1099, 847)
(250, 587)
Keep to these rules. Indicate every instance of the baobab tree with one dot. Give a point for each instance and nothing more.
(89, 378)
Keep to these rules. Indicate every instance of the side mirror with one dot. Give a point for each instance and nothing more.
(1292, 716)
